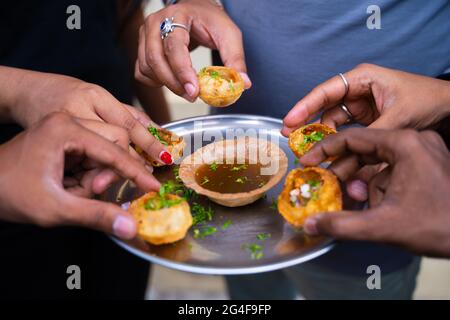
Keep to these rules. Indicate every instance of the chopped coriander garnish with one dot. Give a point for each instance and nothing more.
(263, 236)
(256, 250)
(204, 232)
(214, 74)
(213, 166)
(261, 184)
(189, 194)
(226, 225)
(200, 214)
(177, 188)
(274, 204)
(314, 136)
(155, 133)
(313, 183)
(161, 202)
(296, 161)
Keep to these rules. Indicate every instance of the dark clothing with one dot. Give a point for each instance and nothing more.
(34, 260)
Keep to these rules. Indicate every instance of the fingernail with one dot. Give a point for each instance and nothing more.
(246, 79)
(166, 157)
(358, 190)
(149, 168)
(124, 227)
(190, 89)
(187, 97)
(310, 226)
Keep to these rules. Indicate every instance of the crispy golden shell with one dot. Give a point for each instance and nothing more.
(220, 86)
(162, 226)
(297, 137)
(329, 196)
(175, 146)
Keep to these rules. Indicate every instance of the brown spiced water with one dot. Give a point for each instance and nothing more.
(231, 178)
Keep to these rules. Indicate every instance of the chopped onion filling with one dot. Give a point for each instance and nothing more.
(306, 192)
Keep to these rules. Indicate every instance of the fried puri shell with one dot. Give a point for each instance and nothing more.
(220, 86)
(297, 138)
(329, 196)
(175, 146)
(162, 226)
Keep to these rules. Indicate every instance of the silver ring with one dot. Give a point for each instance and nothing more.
(347, 112)
(167, 26)
(345, 84)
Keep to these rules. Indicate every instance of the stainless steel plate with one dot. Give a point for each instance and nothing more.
(225, 251)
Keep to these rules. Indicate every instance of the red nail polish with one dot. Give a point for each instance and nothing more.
(166, 157)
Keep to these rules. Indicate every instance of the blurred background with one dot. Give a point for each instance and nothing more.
(433, 280)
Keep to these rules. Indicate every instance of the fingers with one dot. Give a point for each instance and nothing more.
(110, 155)
(81, 186)
(334, 117)
(99, 215)
(110, 132)
(378, 186)
(140, 116)
(357, 186)
(357, 190)
(142, 71)
(103, 180)
(231, 49)
(325, 95)
(112, 111)
(329, 94)
(176, 50)
(369, 225)
(155, 59)
(369, 146)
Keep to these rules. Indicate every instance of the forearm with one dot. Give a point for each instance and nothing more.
(12, 82)
(151, 99)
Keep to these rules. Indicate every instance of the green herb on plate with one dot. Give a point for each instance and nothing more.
(256, 250)
(263, 236)
(203, 232)
(274, 204)
(226, 224)
(201, 214)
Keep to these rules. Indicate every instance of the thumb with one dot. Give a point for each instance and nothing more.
(349, 225)
(99, 215)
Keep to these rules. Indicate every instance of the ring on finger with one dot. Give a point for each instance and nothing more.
(347, 112)
(167, 26)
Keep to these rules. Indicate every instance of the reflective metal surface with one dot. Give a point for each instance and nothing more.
(226, 251)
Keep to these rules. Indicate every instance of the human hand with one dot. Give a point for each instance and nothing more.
(33, 186)
(167, 62)
(38, 94)
(378, 97)
(408, 200)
